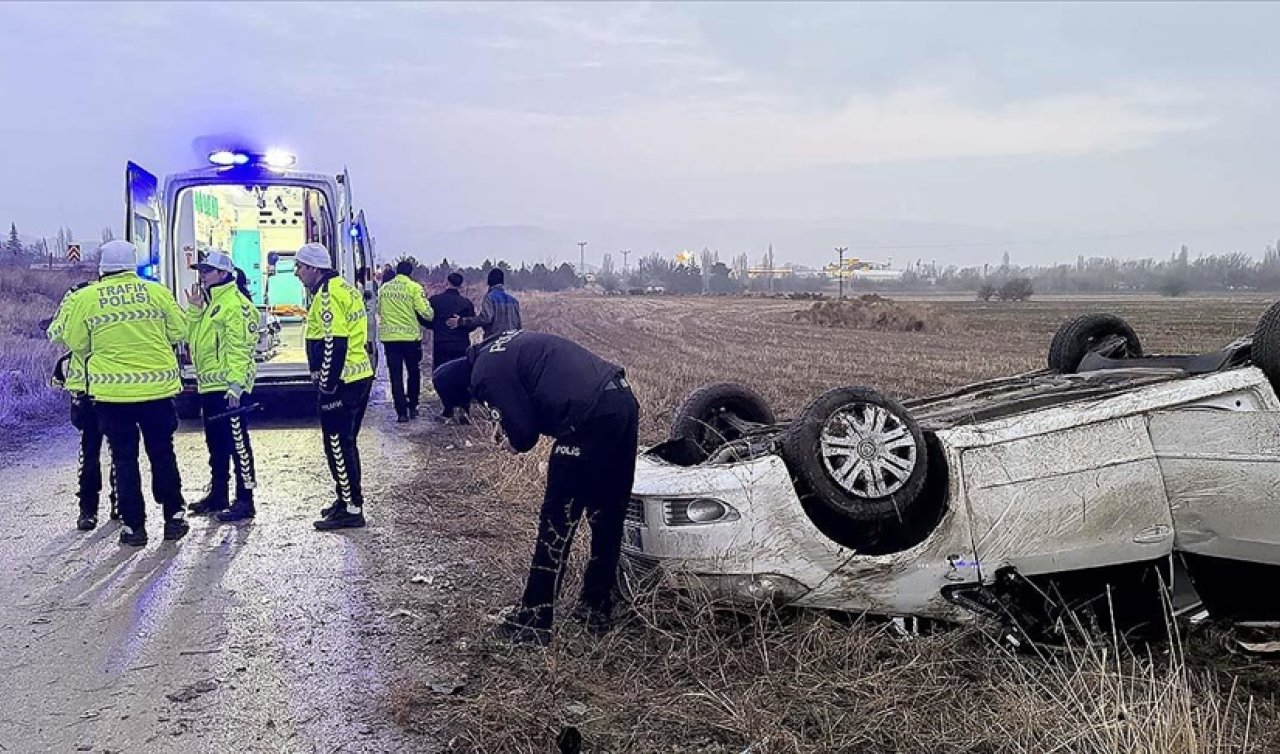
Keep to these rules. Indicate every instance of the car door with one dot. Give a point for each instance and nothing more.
(1067, 493)
(144, 222)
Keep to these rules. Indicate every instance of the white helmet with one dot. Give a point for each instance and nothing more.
(117, 256)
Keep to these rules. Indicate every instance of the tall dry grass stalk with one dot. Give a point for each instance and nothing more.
(27, 297)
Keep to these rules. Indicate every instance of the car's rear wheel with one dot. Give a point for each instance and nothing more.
(716, 414)
(1103, 334)
(858, 454)
(1266, 345)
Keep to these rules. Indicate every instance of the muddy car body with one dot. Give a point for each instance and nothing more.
(1016, 498)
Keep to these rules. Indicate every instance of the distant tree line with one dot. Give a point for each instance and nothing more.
(1174, 276)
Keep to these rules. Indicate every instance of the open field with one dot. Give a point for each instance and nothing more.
(678, 676)
(27, 297)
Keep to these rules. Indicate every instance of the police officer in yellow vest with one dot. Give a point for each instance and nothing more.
(124, 329)
(336, 336)
(69, 374)
(223, 331)
(402, 311)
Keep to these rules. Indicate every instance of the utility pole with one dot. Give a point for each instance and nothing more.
(840, 250)
(582, 258)
(771, 269)
(625, 253)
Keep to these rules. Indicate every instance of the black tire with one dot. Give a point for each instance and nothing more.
(1266, 345)
(1105, 334)
(713, 414)
(886, 491)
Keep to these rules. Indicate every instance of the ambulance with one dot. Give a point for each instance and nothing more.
(256, 207)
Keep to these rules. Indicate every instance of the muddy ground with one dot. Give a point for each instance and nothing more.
(263, 636)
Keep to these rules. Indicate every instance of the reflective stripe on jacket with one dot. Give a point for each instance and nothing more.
(401, 302)
(74, 378)
(124, 328)
(336, 334)
(223, 334)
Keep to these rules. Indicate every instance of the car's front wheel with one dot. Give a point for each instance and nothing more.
(859, 454)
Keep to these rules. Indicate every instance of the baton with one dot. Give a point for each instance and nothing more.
(235, 412)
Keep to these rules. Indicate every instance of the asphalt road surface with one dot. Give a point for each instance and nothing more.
(259, 636)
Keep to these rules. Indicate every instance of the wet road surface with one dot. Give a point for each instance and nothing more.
(258, 636)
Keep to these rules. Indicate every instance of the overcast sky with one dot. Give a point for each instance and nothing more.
(952, 132)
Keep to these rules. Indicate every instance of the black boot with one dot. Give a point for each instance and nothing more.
(340, 519)
(213, 502)
(133, 537)
(517, 634)
(241, 510)
(413, 412)
(330, 509)
(176, 528)
(86, 522)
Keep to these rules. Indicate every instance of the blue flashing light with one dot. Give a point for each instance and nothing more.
(355, 231)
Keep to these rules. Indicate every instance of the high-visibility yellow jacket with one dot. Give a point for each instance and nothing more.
(72, 376)
(402, 310)
(336, 334)
(124, 329)
(223, 334)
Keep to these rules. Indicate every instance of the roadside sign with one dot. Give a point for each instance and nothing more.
(73, 252)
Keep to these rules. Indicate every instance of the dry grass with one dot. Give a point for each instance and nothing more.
(27, 297)
(681, 675)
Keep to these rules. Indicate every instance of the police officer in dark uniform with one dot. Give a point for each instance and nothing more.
(540, 384)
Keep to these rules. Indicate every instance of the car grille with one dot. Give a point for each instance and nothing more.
(635, 512)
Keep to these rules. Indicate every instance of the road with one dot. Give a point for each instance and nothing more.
(261, 636)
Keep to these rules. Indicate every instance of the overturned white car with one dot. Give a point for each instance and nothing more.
(1095, 484)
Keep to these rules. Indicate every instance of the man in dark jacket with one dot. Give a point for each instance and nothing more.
(499, 313)
(449, 343)
(540, 384)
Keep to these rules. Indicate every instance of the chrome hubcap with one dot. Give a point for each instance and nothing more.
(867, 451)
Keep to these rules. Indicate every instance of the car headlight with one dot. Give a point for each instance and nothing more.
(696, 511)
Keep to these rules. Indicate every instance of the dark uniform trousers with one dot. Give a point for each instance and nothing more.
(228, 442)
(341, 414)
(156, 420)
(402, 356)
(591, 472)
(443, 353)
(85, 419)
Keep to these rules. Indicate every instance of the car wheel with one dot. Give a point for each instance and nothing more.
(860, 453)
(716, 414)
(1103, 334)
(1266, 345)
